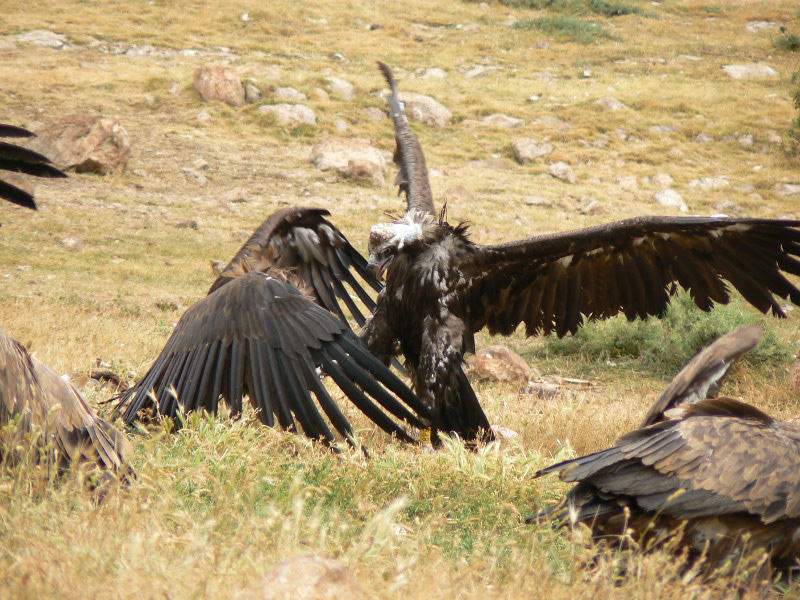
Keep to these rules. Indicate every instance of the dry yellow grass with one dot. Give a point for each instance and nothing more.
(216, 507)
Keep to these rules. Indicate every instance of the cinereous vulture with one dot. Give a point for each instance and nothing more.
(441, 288)
(16, 159)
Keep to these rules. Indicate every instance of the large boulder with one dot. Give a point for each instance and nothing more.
(84, 143)
(352, 158)
(424, 109)
(216, 82)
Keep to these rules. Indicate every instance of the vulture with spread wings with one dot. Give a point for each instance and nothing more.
(17, 159)
(48, 410)
(441, 287)
(262, 332)
(715, 475)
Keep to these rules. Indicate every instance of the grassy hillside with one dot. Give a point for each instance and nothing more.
(216, 507)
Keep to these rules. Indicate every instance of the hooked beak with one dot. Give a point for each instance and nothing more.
(378, 267)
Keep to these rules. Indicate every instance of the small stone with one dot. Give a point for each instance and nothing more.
(216, 82)
(662, 180)
(702, 138)
(662, 129)
(424, 109)
(497, 120)
(457, 195)
(43, 38)
(471, 28)
(320, 95)
(710, 183)
(72, 242)
(189, 224)
(727, 207)
(203, 117)
(350, 157)
(290, 94)
(478, 71)
(627, 182)
(342, 88)
(561, 170)
(504, 433)
(745, 140)
(545, 391)
(528, 149)
(670, 197)
(341, 125)
(759, 26)
(434, 73)
(537, 201)
(251, 93)
(749, 71)
(174, 88)
(610, 103)
(787, 189)
(290, 114)
(375, 113)
(237, 194)
(195, 174)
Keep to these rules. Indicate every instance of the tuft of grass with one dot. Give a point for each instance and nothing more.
(663, 346)
(566, 29)
(789, 42)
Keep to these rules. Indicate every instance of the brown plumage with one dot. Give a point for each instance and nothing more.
(441, 287)
(716, 477)
(45, 406)
(260, 333)
(16, 159)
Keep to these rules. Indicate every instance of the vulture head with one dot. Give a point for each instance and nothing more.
(387, 240)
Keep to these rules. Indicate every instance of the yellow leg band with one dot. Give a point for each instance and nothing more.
(425, 436)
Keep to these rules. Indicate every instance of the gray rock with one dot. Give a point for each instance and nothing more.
(351, 158)
(710, 183)
(290, 94)
(341, 125)
(759, 26)
(290, 114)
(662, 180)
(251, 93)
(478, 71)
(670, 197)
(84, 142)
(745, 140)
(527, 149)
(375, 113)
(215, 82)
(563, 171)
(553, 122)
(43, 38)
(787, 189)
(192, 173)
(537, 201)
(727, 207)
(662, 129)
(203, 117)
(424, 109)
(497, 120)
(72, 242)
(702, 138)
(610, 103)
(342, 88)
(627, 182)
(434, 73)
(750, 70)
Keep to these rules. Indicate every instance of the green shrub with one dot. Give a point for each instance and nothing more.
(565, 29)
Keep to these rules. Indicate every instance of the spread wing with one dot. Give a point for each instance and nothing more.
(259, 336)
(36, 395)
(716, 457)
(551, 282)
(303, 241)
(701, 377)
(408, 156)
(16, 159)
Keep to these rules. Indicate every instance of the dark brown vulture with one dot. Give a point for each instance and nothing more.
(262, 331)
(16, 159)
(716, 477)
(51, 411)
(441, 288)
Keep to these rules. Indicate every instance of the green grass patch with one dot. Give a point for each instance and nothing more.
(788, 42)
(566, 29)
(662, 346)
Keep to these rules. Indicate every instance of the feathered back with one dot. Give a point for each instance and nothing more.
(408, 156)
